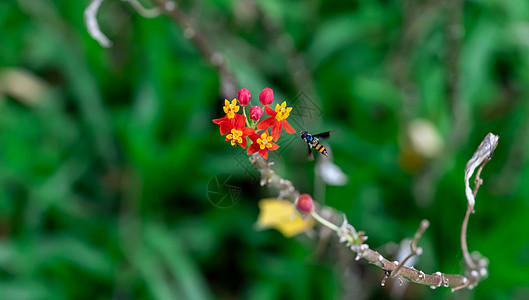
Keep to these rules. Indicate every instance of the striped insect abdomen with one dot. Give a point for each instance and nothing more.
(318, 146)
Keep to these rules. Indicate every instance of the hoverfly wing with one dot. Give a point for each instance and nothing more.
(322, 135)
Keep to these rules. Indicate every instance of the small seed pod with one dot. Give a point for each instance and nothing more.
(304, 203)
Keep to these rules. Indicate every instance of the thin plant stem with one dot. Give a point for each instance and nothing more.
(464, 246)
(324, 222)
(245, 117)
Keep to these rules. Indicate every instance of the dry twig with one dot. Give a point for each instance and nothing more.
(414, 249)
(477, 267)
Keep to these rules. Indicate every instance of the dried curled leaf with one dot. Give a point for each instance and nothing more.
(482, 155)
(90, 15)
(283, 216)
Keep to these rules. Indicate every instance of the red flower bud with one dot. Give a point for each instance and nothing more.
(305, 204)
(244, 96)
(256, 112)
(267, 96)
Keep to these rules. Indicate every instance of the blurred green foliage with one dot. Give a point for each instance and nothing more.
(107, 155)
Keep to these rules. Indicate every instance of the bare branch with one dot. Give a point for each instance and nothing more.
(409, 273)
(476, 264)
(414, 250)
(464, 246)
(269, 177)
(355, 240)
(482, 155)
(90, 15)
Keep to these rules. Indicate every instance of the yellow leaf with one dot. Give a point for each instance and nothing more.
(283, 216)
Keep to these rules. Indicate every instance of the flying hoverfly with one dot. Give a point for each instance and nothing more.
(313, 142)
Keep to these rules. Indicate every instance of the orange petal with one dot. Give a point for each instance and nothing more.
(287, 127)
(264, 153)
(274, 147)
(266, 123)
(276, 131)
(270, 111)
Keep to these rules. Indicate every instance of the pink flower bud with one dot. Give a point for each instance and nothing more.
(267, 96)
(305, 203)
(244, 97)
(256, 112)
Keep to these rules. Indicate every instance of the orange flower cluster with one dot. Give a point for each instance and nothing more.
(238, 127)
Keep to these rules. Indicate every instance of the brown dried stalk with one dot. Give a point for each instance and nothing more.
(475, 267)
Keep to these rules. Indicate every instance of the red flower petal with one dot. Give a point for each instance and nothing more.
(276, 131)
(270, 111)
(239, 122)
(225, 127)
(254, 137)
(220, 120)
(252, 149)
(243, 144)
(264, 153)
(246, 131)
(287, 127)
(266, 123)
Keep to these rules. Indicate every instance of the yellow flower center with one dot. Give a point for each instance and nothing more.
(282, 111)
(264, 141)
(230, 108)
(235, 136)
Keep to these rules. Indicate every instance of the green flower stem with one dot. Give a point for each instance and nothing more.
(245, 117)
(324, 222)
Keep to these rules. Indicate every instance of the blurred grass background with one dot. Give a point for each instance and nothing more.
(107, 155)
